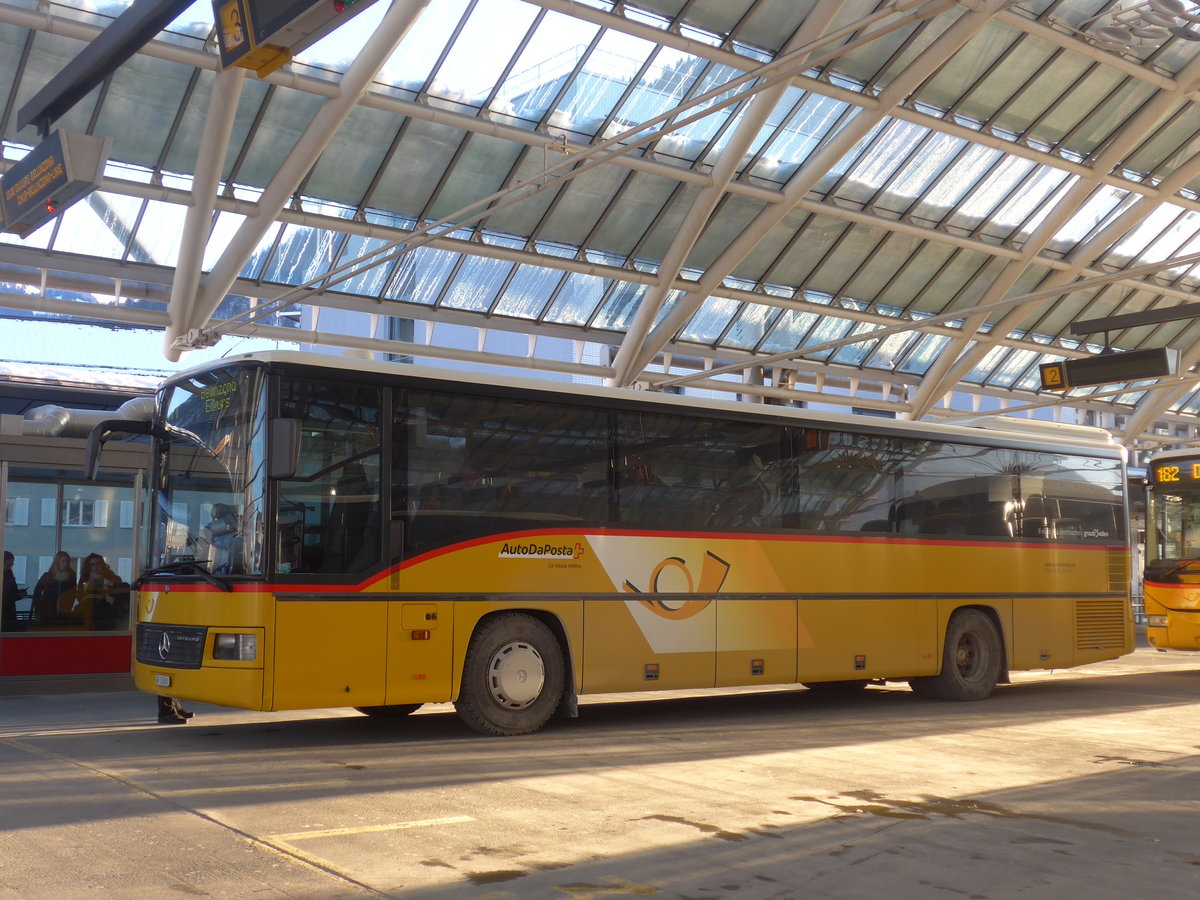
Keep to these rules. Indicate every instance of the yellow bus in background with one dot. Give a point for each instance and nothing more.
(1171, 580)
(329, 532)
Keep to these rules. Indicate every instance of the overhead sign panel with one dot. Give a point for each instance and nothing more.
(265, 34)
(1054, 376)
(1110, 368)
(60, 170)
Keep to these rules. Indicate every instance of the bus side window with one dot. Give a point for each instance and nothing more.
(910, 516)
(328, 508)
(1031, 521)
(950, 517)
(466, 468)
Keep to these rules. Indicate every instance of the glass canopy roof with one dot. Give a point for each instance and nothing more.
(896, 208)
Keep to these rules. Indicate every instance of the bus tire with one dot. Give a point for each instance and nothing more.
(396, 711)
(971, 660)
(513, 677)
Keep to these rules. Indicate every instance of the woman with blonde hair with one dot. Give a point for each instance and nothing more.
(102, 594)
(54, 592)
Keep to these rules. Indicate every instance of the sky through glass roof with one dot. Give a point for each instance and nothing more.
(912, 170)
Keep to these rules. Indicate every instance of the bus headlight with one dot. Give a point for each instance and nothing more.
(1156, 621)
(241, 647)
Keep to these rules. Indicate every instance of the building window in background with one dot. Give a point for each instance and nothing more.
(52, 513)
(85, 513)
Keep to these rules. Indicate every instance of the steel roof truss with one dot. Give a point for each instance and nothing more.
(806, 177)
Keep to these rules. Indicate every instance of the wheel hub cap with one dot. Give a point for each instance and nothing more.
(516, 675)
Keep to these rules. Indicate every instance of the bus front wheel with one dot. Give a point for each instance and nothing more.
(513, 677)
(971, 660)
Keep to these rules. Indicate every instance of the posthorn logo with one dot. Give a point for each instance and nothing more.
(535, 550)
(713, 570)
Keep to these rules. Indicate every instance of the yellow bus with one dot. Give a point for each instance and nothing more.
(329, 532)
(1171, 579)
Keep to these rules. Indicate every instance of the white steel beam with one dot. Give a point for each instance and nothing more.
(1038, 295)
(122, 315)
(958, 359)
(353, 84)
(1156, 403)
(206, 180)
(290, 216)
(144, 284)
(700, 213)
(293, 79)
(760, 79)
(818, 380)
(814, 168)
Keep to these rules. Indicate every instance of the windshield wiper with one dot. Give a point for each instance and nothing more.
(1168, 570)
(181, 566)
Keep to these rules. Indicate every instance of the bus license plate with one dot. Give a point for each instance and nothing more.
(162, 680)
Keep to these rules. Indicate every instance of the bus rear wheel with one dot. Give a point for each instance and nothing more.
(971, 660)
(398, 711)
(513, 678)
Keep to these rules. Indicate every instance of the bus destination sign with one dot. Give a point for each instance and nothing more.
(1175, 473)
(63, 168)
(218, 397)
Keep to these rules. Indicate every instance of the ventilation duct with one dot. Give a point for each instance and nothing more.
(58, 421)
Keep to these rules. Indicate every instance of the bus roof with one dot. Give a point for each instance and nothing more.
(1027, 432)
(1185, 453)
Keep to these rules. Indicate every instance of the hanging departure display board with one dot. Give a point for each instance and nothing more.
(1110, 368)
(57, 172)
(264, 34)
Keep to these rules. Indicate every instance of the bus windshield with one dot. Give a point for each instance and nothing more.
(209, 473)
(1173, 530)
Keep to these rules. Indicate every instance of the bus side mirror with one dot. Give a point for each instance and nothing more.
(285, 448)
(103, 431)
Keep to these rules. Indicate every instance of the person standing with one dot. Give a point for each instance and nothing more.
(55, 590)
(12, 593)
(171, 713)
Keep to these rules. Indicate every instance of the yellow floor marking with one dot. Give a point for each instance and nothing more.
(367, 829)
(280, 847)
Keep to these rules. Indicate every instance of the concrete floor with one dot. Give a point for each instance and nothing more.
(1077, 783)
